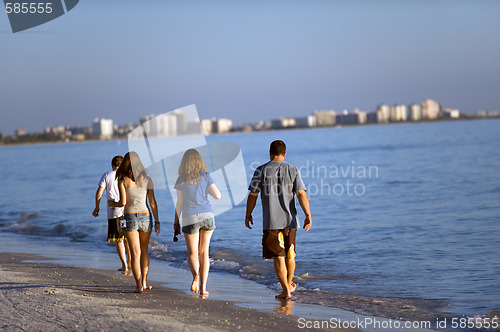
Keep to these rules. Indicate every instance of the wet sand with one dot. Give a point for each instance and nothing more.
(41, 296)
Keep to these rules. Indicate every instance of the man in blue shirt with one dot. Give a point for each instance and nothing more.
(278, 182)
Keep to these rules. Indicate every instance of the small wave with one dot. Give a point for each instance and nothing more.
(308, 277)
(21, 221)
(221, 253)
(159, 250)
(389, 307)
(24, 217)
(222, 264)
(23, 229)
(159, 247)
(258, 272)
(403, 182)
(39, 225)
(165, 252)
(253, 275)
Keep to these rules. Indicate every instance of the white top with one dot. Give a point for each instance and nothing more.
(108, 181)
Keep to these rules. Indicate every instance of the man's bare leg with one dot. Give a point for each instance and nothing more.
(281, 273)
(290, 268)
(127, 252)
(120, 249)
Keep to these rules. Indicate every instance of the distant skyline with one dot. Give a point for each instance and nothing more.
(247, 60)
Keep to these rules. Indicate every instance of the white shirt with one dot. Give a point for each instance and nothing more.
(109, 182)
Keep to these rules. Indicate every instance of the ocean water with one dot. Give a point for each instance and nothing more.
(405, 217)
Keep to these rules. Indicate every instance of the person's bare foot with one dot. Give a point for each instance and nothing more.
(204, 293)
(146, 287)
(139, 290)
(284, 295)
(195, 287)
(292, 287)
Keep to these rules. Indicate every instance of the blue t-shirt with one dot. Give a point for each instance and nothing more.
(277, 182)
(195, 196)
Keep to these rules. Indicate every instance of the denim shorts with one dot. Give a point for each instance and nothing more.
(206, 225)
(141, 222)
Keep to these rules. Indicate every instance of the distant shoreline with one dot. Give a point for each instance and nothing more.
(117, 139)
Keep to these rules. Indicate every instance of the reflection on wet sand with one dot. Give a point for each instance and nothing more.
(285, 306)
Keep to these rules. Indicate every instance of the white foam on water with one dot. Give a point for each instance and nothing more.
(223, 264)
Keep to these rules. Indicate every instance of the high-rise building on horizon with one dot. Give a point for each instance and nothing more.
(163, 125)
(206, 126)
(430, 109)
(383, 114)
(397, 113)
(181, 124)
(146, 123)
(415, 112)
(449, 113)
(324, 118)
(216, 126)
(356, 117)
(283, 123)
(222, 126)
(102, 128)
(362, 117)
(307, 121)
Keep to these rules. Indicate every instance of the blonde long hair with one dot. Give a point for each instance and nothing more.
(191, 167)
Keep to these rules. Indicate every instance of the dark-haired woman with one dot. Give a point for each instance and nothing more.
(193, 185)
(135, 188)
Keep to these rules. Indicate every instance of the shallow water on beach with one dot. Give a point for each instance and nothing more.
(223, 286)
(406, 217)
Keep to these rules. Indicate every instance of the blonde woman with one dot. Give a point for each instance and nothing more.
(193, 186)
(135, 187)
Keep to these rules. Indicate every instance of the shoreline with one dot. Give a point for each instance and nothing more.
(45, 263)
(222, 286)
(119, 139)
(37, 295)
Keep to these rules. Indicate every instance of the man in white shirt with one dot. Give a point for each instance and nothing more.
(109, 183)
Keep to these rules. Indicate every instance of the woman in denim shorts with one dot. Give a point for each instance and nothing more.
(193, 185)
(135, 188)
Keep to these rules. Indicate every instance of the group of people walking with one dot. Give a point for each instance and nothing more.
(133, 213)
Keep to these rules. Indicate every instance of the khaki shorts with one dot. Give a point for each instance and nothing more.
(279, 243)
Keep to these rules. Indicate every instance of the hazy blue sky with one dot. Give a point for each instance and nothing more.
(247, 60)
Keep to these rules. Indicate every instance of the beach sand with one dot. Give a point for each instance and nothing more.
(41, 296)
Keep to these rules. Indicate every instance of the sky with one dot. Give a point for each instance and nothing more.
(247, 60)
